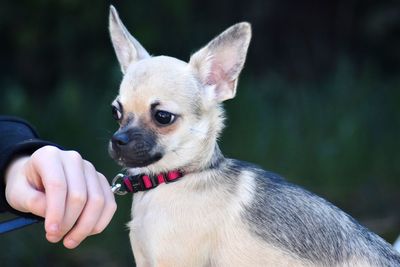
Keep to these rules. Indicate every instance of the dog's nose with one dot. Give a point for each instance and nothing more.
(120, 139)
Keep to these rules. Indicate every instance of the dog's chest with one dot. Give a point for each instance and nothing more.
(169, 220)
(175, 226)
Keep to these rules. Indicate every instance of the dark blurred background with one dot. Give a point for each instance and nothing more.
(318, 100)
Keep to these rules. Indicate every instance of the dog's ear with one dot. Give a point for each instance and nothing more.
(219, 63)
(127, 48)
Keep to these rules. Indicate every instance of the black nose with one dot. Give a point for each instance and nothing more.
(120, 139)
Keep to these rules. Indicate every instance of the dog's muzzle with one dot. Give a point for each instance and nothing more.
(134, 147)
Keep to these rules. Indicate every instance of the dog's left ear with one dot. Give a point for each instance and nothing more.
(127, 48)
(219, 63)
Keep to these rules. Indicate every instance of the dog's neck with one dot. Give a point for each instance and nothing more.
(216, 159)
(206, 161)
(133, 183)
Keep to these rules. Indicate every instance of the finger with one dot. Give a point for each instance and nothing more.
(91, 212)
(46, 163)
(77, 190)
(110, 206)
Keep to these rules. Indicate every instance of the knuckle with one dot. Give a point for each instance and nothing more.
(97, 200)
(49, 149)
(56, 184)
(31, 203)
(101, 176)
(89, 165)
(112, 207)
(46, 151)
(77, 198)
(74, 155)
(80, 233)
(97, 230)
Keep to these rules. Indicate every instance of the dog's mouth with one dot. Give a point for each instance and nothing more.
(134, 147)
(130, 162)
(135, 159)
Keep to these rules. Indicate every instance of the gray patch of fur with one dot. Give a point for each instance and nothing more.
(302, 223)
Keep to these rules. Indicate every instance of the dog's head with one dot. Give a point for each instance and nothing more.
(168, 110)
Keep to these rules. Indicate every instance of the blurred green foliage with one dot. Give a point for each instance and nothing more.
(318, 101)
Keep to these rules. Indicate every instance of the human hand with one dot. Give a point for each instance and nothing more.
(75, 199)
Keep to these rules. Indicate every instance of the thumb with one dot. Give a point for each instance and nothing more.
(24, 198)
(20, 193)
(35, 202)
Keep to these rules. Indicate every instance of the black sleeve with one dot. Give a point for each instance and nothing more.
(17, 137)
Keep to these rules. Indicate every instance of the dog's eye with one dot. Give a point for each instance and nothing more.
(116, 113)
(164, 117)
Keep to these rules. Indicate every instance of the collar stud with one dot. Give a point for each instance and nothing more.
(123, 184)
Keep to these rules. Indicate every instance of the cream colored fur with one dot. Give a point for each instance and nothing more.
(168, 228)
(197, 221)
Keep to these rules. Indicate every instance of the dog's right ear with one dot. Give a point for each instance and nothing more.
(127, 48)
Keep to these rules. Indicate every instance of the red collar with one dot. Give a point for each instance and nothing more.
(123, 183)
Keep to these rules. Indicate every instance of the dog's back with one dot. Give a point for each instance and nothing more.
(307, 227)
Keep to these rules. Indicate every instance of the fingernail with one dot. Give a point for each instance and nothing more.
(53, 228)
(70, 243)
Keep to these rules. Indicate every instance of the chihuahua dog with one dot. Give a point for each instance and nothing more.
(218, 211)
